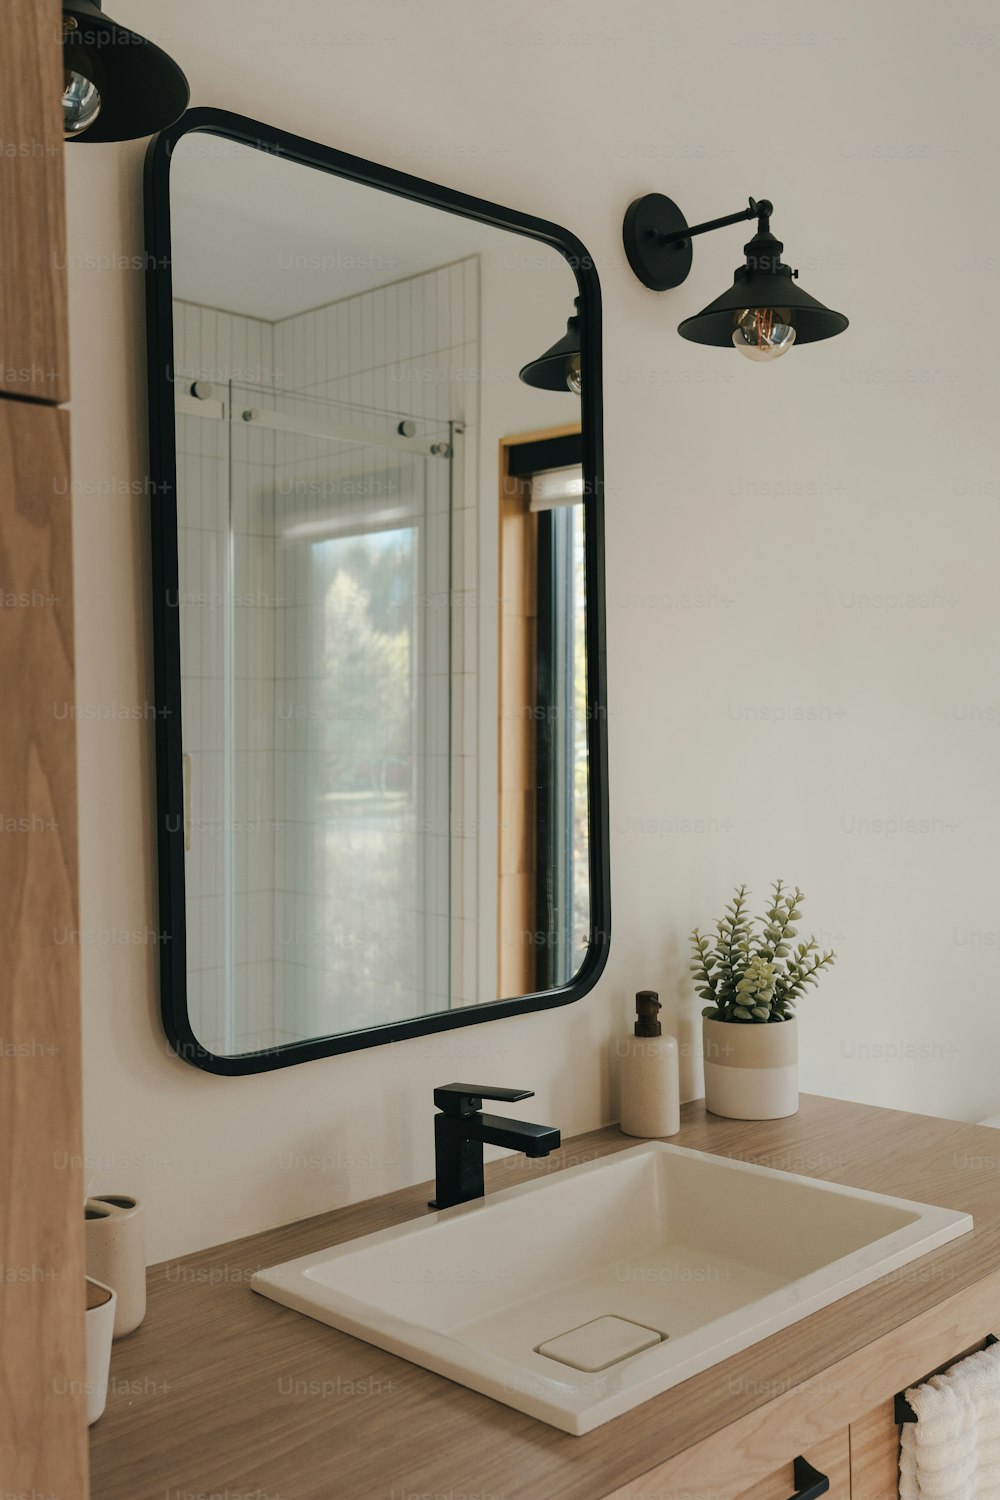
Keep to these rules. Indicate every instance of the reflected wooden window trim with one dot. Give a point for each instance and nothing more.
(517, 789)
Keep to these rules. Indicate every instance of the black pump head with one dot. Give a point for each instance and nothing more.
(647, 1008)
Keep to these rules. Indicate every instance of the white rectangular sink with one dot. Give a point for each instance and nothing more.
(677, 1258)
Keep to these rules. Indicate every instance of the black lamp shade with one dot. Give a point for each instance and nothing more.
(756, 289)
(549, 371)
(142, 89)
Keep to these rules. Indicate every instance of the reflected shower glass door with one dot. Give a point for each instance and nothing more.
(340, 902)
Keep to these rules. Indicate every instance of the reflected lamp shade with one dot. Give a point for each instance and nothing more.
(764, 286)
(117, 86)
(558, 369)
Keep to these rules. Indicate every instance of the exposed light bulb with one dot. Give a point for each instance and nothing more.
(81, 103)
(763, 332)
(574, 378)
(81, 96)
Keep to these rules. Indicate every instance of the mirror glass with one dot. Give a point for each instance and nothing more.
(382, 598)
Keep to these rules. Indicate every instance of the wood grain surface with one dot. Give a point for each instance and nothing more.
(42, 1358)
(34, 325)
(875, 1455)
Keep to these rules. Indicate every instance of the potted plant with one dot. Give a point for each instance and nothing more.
(752, 973)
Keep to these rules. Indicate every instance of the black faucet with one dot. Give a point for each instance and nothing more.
(460, 1132)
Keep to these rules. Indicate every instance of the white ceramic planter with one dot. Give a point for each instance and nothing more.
(101, 1306)
(751, 1072)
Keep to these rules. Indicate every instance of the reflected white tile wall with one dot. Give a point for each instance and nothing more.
(220, 347)
(409, 348)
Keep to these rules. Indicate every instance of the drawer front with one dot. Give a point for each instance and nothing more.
(832, 1458)
(712, 1477)
(875, 1455)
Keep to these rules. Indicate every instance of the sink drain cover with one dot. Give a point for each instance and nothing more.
(603, 1342)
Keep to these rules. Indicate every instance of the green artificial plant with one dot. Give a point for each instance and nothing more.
(752, 971)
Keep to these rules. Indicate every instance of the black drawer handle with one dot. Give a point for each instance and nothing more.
(809, 1482)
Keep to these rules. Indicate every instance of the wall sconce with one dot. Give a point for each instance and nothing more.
(558, 369)
(117, 86)
(762, 314)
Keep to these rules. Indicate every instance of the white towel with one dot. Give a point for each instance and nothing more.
(952, 1451)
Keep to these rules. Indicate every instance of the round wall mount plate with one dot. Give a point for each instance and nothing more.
(657, 265)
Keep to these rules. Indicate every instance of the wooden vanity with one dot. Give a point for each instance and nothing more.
(222, 1393)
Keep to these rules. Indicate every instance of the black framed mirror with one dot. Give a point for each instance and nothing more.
(378, 602)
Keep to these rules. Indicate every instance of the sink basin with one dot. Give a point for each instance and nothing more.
(583, 1293)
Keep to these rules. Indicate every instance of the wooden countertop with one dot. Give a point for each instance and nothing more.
(224, 1393)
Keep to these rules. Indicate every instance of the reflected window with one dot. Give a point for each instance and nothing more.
(561, 808)
(544, 854)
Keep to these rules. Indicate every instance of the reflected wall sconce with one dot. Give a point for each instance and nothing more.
(558, 369)
(117, 86)
(763, 314)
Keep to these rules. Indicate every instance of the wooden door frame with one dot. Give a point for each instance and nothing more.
(516, 660)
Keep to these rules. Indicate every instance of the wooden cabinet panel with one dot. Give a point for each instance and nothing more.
(875, 1455)
(42, 1356)
(34, 338)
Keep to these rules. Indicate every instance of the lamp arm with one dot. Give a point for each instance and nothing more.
(756, 210)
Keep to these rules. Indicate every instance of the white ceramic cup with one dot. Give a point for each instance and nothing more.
(100, 1332)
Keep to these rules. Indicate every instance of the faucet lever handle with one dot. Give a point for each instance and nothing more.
(463, 1099)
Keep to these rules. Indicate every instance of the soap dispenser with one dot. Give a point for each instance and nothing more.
(650, 1075)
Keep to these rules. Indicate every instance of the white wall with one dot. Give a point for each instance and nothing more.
(801, 559)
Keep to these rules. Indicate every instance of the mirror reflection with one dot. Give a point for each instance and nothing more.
(382, 561)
